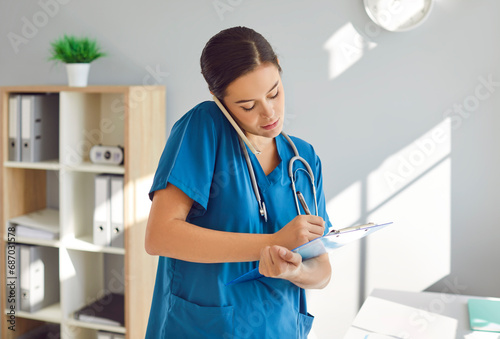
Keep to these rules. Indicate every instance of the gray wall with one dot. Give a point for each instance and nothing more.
(404, 123)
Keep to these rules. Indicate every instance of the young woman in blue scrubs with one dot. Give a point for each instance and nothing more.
(204, 222)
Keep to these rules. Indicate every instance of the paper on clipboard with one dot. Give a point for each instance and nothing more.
(325, 244)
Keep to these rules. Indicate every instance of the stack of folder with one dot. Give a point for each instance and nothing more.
(46, 331)
(107, 310)
(108, 212)
(43, 224)
(35, 277)
(33, 127)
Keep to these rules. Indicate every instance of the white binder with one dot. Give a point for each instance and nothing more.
(14, 127)
(117, 213)
(39, 127)
(39, 277)
(102, 222)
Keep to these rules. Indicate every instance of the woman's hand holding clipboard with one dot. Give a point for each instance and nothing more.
(328, 243)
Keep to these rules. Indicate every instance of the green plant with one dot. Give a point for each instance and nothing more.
(71, 50)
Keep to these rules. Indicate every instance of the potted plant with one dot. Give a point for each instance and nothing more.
(77, 54)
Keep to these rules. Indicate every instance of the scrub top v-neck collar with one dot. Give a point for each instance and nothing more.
(265, 181)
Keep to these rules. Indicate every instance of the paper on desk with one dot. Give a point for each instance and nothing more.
(393, 320)
(481, 335)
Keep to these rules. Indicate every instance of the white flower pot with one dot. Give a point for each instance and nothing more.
(78, 74)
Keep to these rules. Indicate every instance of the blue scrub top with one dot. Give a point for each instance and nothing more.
(203, 158)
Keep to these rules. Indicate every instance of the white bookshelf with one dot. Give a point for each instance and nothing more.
(129, 116)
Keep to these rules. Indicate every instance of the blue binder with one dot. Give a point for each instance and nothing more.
(327, 243)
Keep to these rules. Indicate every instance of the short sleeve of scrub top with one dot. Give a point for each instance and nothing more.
(203, 158)
(189, 157)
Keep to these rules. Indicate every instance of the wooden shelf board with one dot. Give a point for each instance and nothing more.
(52, 165)
(62, 88)
(85, 243)
(96, 168)
(78, 323)
(34, 241)
(50, 313)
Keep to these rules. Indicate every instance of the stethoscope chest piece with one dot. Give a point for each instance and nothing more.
(263, 210)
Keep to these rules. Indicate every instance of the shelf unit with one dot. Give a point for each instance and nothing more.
(131, 116)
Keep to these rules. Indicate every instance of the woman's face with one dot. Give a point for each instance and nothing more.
(257, 102)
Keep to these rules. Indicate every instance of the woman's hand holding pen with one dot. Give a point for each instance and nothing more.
(302, 229)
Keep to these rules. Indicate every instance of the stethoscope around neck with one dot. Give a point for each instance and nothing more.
(291, 174)
(244, 140)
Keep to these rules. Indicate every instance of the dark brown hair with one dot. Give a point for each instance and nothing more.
(232, 53)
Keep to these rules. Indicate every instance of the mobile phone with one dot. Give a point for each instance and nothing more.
(236, 127)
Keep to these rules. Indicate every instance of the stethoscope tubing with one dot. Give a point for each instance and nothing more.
(297, 157)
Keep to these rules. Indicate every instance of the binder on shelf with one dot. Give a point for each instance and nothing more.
(14, 127)
(108, 228)
(39, 127)
(108, 310)
(102, 222)
(39, 277)
(43, 224)
(117, 213)
(12, 262)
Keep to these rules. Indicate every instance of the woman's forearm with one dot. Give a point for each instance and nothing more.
(168, 234)
(182, 240)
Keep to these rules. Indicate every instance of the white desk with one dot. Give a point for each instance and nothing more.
(388, 314)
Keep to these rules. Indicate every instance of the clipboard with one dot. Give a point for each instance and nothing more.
(325, 244)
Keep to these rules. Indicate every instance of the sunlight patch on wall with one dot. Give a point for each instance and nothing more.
(414, 253)
(402, 168)
(413, 189)
(345, 47)
(345, 208)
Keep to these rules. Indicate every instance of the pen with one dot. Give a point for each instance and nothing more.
(353, 228)
(303, 203)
